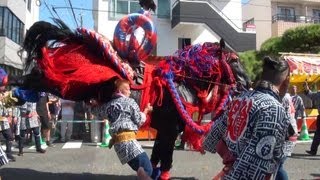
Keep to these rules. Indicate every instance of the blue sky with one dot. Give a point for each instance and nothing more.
(63, 9)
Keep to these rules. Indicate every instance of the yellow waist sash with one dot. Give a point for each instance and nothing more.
(124, 136)
(3, 118)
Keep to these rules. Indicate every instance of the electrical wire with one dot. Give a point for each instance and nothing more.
(54, 10)
(49, 9)
(70, 13)
(74, 16)
(188, 16)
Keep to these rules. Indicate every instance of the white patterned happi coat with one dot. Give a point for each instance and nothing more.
(4, 114)
(254, 128)
(3, 157)
(123, 114)
(29, 117)
(4, 124)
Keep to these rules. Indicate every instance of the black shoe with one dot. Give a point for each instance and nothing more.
(312, 153)
(49, 144)
(179, 147)
(20, 154)
(41, 151)
(11, 158)
(59, 141)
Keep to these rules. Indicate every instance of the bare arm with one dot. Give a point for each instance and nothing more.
(312, 95)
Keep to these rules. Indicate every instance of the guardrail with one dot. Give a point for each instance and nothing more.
(82, 121)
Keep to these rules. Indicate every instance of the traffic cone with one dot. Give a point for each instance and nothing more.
(42, 140)
(177, 142)
(304, 134)
(106, 138)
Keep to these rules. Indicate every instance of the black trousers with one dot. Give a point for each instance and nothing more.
(7, 134)
(316, 138)
(36, 133)
(163, 149)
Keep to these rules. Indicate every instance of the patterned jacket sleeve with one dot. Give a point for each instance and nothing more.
(216, 133)
(17, 129)
(137, 116)
(313, 95)
(301, 107)
(29, 108)
(264, 151)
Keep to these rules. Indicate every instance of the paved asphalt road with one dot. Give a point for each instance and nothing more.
(82, 161)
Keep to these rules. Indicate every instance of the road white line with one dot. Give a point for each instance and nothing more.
(4, 147)
(72, 145)
(43, 146)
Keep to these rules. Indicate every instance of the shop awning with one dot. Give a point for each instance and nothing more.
(303, 67)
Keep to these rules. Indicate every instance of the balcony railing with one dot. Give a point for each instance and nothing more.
(296, 18)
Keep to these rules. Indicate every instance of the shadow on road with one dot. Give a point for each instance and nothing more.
(315, 175)
(304, 156)
(29, 174)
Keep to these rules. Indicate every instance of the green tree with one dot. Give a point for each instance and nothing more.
(303, 39)
(271, 47)
(252, 64)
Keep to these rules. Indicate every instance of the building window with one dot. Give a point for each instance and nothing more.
(14, 29)
(11, 26)
(163, 9)
(29, 5)
(316, 15)
(183, 42)
(5, 21)
(1, 21)
(120, 8)
(286, 14)
(21, 33)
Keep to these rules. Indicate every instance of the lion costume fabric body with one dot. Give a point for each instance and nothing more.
(81, 65)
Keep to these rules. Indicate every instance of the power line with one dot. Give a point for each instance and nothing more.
(54, 10)
(74, 16)
(49, 9)
(70, 13)
(243, 4)
(186, 16)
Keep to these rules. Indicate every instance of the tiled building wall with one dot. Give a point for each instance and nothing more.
(279, 27)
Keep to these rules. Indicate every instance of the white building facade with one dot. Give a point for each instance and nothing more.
(181, 22)
(15, 18)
